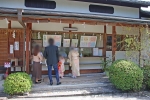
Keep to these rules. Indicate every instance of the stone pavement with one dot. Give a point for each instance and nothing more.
(91, 97)
(85, 87)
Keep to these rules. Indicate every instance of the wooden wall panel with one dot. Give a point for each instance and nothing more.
(3, 48)
(6, 39)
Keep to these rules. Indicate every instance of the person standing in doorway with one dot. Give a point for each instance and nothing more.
(51, 54)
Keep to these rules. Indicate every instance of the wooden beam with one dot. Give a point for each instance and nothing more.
(69, 20)
(20, 18)
(28, 29)
(114, 42)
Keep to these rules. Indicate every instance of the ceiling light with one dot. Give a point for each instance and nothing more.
(70, 29)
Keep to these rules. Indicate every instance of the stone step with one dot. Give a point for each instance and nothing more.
(73, 90)
(70, 90)
(64, 87)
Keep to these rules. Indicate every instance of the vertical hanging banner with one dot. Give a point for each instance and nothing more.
(66, 42)
(11, 49)
(16, 45)
(29, 46)
(25, 46)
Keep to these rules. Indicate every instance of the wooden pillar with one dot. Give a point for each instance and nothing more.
(70, 25)
(104, 42)
(140, 47)
(28, 29)
(9, 27)
(114, 42)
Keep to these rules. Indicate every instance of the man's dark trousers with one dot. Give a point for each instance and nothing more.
(50, 72)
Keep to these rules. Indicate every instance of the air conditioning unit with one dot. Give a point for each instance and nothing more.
(70, 29)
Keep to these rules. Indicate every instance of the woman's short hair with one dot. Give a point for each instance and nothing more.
(51, 41)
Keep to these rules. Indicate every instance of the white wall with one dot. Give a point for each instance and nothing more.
(15, 24)
(74, 6)
(3, 24)
(49, 26)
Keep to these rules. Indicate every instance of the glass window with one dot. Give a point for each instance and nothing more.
(109, 43)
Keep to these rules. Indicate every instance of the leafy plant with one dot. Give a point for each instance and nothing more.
(126, 75)
(146, 73)
(106, 64)
(17, 83)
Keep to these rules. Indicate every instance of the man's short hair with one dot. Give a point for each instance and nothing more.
(51, 41)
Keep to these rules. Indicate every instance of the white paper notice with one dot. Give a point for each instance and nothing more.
(16, 45)
(11, 49)
(100, 52)
(74, 43)
(66, 42)
(25, 46)
(95, 52)
(57, 40)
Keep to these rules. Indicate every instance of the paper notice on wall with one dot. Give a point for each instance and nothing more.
(25, 46)
(88, 41)
(66, 42)
(11, 49)
(74, 43)
(57, 40)
(29, 46)
(16, 45)
(100, 52)
(95, 52)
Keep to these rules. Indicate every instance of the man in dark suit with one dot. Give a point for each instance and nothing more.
(52, 55)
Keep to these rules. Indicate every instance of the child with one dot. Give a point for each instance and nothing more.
(61, 67)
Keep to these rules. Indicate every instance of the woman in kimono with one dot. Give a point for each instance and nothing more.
(61, 67)
(74, 62)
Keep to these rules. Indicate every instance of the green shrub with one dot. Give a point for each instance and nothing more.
(17, 83)
(126, 75)
(146, 73)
